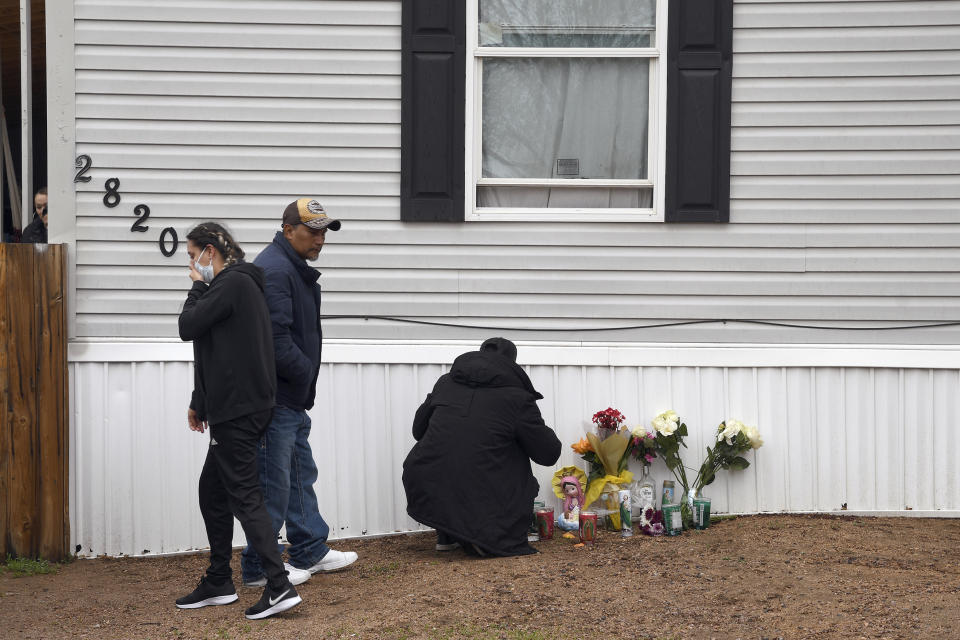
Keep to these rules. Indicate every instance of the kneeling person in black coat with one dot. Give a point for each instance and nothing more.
(468, 476)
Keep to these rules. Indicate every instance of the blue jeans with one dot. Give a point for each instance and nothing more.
(287, 475)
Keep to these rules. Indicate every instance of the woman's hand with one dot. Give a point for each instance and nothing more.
(194, 274)
(194, 421)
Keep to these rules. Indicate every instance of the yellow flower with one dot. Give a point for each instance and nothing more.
(582, 446)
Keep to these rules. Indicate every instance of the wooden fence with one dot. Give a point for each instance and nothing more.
(34, 517)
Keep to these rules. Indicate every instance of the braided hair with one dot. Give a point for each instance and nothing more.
(214, 234)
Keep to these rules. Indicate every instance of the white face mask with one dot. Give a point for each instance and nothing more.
(205, 271)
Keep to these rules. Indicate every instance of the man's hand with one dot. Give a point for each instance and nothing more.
(194, 421)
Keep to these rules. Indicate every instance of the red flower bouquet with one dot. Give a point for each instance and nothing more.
(608, 422)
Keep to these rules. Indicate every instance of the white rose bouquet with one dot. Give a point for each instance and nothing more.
(668, 438)
(733, 440)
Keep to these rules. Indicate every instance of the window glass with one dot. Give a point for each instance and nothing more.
(567, 23)
(568, 118)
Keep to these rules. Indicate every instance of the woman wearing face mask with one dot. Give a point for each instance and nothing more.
(226, 317)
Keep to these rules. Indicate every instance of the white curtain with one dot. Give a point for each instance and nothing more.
(537, 111)
(589, 113)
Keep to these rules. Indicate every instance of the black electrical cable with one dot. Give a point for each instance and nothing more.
(808, 326)
(679, 323)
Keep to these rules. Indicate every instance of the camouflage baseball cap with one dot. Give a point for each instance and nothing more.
(309, 212)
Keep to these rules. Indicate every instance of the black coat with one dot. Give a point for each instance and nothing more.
(229, 324)
(469, 473)
(35, 232)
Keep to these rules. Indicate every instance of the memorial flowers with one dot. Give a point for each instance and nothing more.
(734, 439)
(643, 445)
(651, 521)
(608, 422)
(609, 451)
(582, 446)
(670, 432)
(607, 454)
(667, 423)
(605, 458)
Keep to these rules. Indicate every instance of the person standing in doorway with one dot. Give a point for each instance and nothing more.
(287, 468)
(36, 231)
(226, 317)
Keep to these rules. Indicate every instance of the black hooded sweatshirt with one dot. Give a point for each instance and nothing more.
(229, 323)
(469, 473)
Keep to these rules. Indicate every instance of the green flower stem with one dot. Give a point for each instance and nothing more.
(680, 477)
(698, 483)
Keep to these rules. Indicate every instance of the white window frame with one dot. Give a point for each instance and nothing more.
(656, 136)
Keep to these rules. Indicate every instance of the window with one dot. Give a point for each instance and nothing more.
(564, 109)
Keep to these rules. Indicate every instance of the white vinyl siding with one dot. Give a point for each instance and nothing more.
(845, 190)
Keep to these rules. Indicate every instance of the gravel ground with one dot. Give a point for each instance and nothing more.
(748, 577)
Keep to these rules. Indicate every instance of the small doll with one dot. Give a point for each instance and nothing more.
(568, 485)
(569, 517)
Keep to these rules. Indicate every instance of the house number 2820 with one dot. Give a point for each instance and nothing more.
(168, 240)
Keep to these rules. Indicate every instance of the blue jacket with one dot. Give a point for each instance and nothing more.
(293, 297)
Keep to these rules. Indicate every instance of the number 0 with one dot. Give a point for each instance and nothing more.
(163, 241)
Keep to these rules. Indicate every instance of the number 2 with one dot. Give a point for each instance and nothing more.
(143, 211)
(83, 165)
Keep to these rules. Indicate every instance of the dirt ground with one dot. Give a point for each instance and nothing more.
(749, 577)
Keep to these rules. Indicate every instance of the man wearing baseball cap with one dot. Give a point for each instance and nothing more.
(287, 468)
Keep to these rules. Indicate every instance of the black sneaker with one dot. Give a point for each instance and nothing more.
(272, 602)
(208, 594)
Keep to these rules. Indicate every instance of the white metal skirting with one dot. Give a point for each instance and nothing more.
(876, 438)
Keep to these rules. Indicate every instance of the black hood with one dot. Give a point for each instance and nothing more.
(251, 270)
(500, 346)
(489, 369)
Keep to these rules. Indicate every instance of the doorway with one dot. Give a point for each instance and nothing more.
(11, 97)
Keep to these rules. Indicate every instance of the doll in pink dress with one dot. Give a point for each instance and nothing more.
(569, 517)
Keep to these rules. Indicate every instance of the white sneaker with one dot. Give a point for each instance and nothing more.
(294, 575)
(334, 561)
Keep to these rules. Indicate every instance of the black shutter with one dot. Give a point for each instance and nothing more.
(432, 111)
(699, 75)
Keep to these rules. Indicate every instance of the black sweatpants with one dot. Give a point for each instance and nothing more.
(230, 486)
